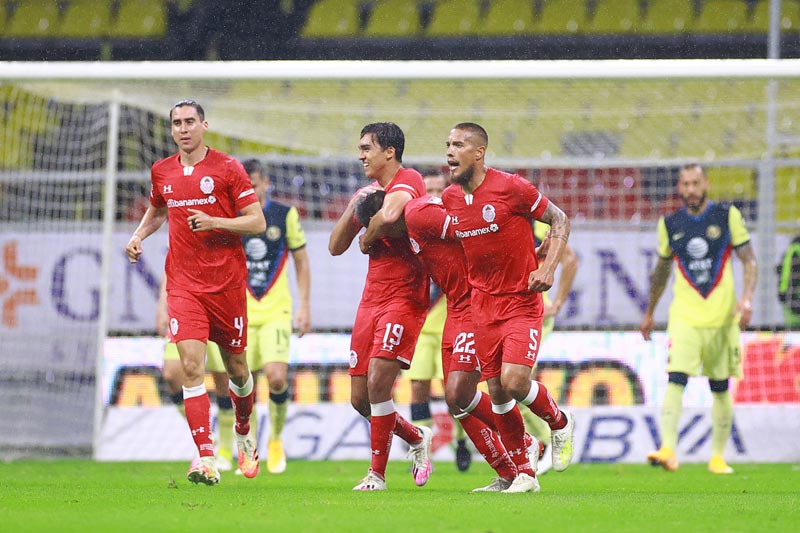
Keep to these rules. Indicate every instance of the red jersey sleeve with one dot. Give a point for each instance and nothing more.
(529, 201)
(241, 188)
(408, 180)
(156, 199)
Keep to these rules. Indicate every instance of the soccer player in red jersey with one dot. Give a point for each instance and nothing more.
(393, 303)
(432, 238)
(209, 202)
(492, 214)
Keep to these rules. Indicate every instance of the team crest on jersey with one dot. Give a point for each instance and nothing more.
(173, 325)
(414, 245)
(713, 232)
(273, 233)
(488, 213)
(207, 184)
(353, 358)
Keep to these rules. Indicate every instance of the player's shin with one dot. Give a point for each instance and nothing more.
(488, 445)
(512, 433)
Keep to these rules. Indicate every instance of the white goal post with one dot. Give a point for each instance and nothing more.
(604, 139)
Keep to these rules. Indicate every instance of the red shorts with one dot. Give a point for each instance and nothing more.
(218, 316)
(459, 352)
(509, 330)
(389, 331)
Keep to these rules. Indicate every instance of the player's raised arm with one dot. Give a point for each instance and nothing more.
(384, 221)
(250, 222)
(346, 227)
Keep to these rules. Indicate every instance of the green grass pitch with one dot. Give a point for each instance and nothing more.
(317, 497)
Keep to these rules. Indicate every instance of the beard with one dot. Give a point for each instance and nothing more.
(464, 178)
(693, 206)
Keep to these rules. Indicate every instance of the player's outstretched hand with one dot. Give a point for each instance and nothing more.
(368, 205)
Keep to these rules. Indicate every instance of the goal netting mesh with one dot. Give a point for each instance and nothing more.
(76, 147)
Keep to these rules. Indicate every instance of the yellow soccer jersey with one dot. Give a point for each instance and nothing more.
(704, 292)
(268, 296)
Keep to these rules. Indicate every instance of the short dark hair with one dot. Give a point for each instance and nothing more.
(476, 129)
(252, 165)
(192, 103)
(692, 166)
(387, 134)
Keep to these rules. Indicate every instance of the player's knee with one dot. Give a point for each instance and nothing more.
(279, 397)
(718, 385)
(678, 378)
(361, 405)
(517, 384)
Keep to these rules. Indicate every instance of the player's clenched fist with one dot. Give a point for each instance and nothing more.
(134, 249)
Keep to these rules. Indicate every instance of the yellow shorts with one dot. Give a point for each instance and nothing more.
(427, 361)
(712, 352)
(268, 343)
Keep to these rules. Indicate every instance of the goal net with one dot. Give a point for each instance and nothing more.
(603, 140)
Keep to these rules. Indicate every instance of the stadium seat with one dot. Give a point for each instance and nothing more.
(787, 202)
(3, 16)
(721, 16)
(393, 18)
(668, 17)
(510, 17)
(86, 19)
(562, 17)
(332, 19)
(33, 19)
(454, 18)
(140, 19)
(790, 17)
(615, 17)
(731, 183)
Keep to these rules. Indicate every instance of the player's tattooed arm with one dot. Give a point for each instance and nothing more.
(543, 278)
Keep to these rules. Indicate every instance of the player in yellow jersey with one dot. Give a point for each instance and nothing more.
(705, 316)
(269, 304)
(569, 267)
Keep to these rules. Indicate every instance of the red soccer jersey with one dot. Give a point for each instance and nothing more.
(432, 239)
(207, 261)
(494, 226)
(394, 271)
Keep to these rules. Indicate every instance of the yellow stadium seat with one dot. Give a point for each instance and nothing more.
(562, 17)
(332, 19)
(3, 16)
(731, 183)
(787, 197)
(452, 18)
(616, 16)
(33, 19)
(510, 17)
(86, 19)
(668, 16)
(139, 19)
(790, 17)
(722, 16)
(393, 18)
